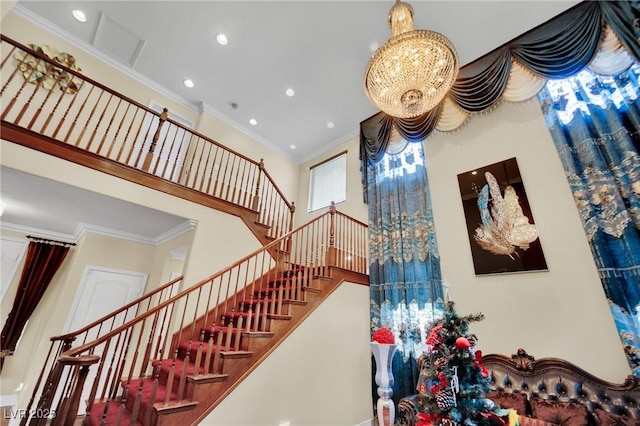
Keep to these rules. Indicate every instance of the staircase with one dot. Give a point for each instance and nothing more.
(171, 357)
(182, 355)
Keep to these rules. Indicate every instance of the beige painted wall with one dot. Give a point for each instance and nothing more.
(321, 375)
(5, 7)
(552, 313)
(51, 316)
(561, 312)
(283, 170)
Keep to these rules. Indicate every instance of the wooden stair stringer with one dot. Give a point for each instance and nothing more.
(213, 397)
(200, 322)
(47, 145)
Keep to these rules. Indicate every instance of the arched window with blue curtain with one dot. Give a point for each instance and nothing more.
(595, 124)
(405, 278)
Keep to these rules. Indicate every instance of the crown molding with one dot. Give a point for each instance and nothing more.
(326, 148)
(37, 232)
(101, 56)
(84, 228)
(183, 228)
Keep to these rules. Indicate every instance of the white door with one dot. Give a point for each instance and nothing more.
(101, 292)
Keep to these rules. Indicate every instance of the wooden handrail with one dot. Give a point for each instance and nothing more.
(101, 121)
(268, 176)
(119, 95)
(79, 349)
(239, 299)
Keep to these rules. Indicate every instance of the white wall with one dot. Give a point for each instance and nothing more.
(320, 375)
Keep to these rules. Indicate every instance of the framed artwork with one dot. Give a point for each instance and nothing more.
(502, 233)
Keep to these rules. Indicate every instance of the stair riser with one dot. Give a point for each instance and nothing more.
(199, 392)
(255, 344)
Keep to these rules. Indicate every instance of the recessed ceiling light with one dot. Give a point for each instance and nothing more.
(188, 83)
(253, 122)
(292, 146)
(222, 39)
(290, 92)
(330, 125)
(79, 15)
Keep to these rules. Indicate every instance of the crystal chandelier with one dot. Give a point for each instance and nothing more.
(413, 70)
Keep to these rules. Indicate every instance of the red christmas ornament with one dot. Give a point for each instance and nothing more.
(463, 343)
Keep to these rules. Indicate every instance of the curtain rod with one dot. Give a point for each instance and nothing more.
(45, 240)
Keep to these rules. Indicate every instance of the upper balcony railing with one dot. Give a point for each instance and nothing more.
(41, 93)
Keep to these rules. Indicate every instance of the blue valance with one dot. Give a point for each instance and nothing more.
(559, 48)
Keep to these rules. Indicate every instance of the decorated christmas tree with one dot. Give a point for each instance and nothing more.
(453, 382)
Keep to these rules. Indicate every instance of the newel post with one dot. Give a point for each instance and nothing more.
(149, 156)
(71, 402)
(331, 251)
(256, 197)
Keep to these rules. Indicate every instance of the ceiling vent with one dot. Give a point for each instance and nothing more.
(117, 41)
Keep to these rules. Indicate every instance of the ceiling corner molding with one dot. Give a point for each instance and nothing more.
(183, 228)
(37, 232)
(237, 126)
(96, 53)
(84, 228)
(330, 145)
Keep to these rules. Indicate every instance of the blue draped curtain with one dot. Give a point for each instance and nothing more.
(405, 278)
(595, 124)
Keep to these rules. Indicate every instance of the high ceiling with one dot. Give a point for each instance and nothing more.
(318, 48)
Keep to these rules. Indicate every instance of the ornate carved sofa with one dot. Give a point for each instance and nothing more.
(550, 391)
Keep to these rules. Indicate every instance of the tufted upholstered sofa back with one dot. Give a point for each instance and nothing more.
(553, 381)
(556, 379)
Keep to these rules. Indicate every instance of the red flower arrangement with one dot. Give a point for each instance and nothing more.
(442, 383)
(433, 337)
(478, 364)
(427, 419)
(384, 336)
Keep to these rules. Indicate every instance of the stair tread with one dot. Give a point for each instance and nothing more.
(97, 411)
(147, 388)
(145, 392)
(195, 345)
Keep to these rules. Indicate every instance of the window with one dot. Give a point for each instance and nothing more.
(328, 182)
(401, 162)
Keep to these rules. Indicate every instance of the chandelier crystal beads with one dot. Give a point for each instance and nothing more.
(413, 71)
